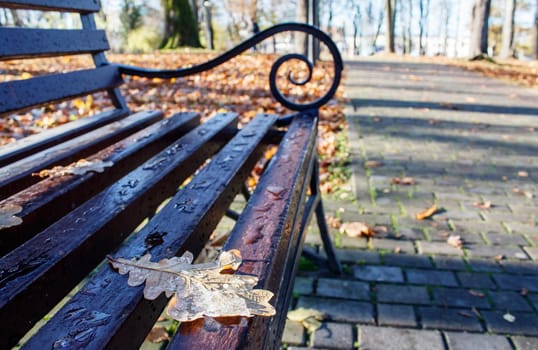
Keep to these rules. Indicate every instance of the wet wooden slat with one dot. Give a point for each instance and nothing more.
(18, 175)
(22, 94)
(83, 6)
(38, 142)
(185, 223)
(30, 43)
(268, 236)
(35, 276)
(52, 198)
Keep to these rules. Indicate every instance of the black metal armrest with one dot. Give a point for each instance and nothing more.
(249, 43)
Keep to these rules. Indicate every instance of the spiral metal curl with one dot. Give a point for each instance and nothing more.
(338, 65)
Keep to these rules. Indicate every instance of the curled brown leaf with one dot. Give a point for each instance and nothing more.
(425, 214)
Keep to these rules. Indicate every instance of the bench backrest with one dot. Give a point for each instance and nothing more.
(21, 43)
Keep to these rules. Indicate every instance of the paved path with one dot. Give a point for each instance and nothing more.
(464, 139)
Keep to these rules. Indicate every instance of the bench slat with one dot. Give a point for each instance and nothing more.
(56, 259)
(52, 198)
(21, 94)
(266, 233)
(30, 43)
(46, 139)
(187, 220)
(83, 6)
(18, 175)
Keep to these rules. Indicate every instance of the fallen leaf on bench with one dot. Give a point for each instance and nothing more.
(7, 215)
(356, 229)
(426, 213)
(310, 318)
(80, 167)
(455, 241)
(201, 289)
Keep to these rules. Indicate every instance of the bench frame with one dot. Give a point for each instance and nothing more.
(270, 243)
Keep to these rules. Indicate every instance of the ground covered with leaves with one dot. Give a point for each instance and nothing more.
(240, 85)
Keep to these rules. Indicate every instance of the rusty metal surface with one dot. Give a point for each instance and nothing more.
(267, 234)
(50, 199)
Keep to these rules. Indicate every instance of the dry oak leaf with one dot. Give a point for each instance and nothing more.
(310, 318)
(455, 241)
(356, 229)
(7, 215)
(426, 213)
(482, 205)
(201, 289)
(405, 181)
(80, 167)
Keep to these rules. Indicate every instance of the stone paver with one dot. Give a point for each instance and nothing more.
(331, 287)
(333, 336)
(463, 138)
(396, 315)
(378, 273)
(293, 333)
(466, 341)
(449, 319)
(524, 323)
(386, 338)
(336, 310)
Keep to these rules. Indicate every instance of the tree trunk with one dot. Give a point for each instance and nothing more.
(301, 16)
(356, 30)
(534, 43)
(410, 27)
(478, 44)
(390, 26)
(424, 7)
(507, 45)
(180, 27)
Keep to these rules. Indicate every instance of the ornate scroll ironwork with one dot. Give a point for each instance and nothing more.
(338, 65)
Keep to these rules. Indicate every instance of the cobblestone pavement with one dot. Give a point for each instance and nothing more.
(464, 139)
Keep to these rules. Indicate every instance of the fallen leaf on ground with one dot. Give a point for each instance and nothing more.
(200, 289)
(499, 257)
(333, 222)
(310, 318)
(519, 191)
(509, 317)
(356, 229)
(426, 213)
(7, 215)
(522, 174)
(465, 314)
(397, 249)
(524, 291)
(483, 205)
(80, 167)
(476, 312)
(476, 293)
(373, 164)
(455, 241)
(405, 181)
(158, 334)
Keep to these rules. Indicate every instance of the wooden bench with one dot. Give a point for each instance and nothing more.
(68, 223)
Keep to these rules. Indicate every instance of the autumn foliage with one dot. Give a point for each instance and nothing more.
(240, 85)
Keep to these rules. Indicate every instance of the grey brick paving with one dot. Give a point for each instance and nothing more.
(459, 298)
(449, 263)
(441, 278)
(336, 310)
(467, 341)
(475, 280)
(336, 288)
(293, 333)
(506, 239)
(513, 282)
(386, 338)
(358, 256)
(532, 252)
(396, 315)
(525, 323)
(534, 300)
(402, 294)
(510, 301)
(483, 265)
(520, 267)
(449, 319)
(378, 273)
(393, 245)
(333, 336)
(303, 285)
(407, 260)
(441, 248)
(487, 251)
(525, 343)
